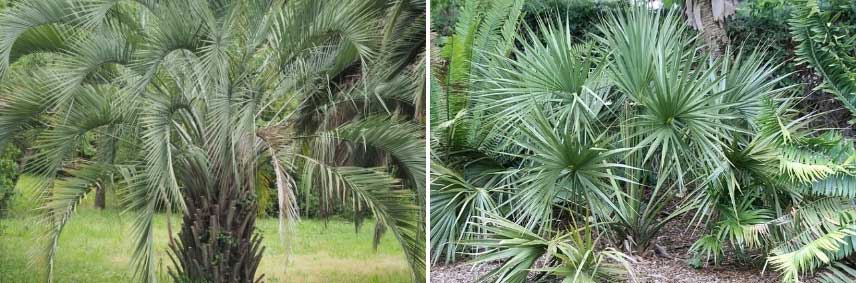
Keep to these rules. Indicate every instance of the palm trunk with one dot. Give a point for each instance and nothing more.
(713, 31)
(701, 16)
(100, 197)
(217, 242)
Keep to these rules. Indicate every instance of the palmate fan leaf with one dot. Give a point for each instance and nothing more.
(742, 227)
(579, 261)
(517, 247)
(455, 203)
(673, 90)
(637, 38)
(747, 79)
(673, 130)
(549, 71)
(707, 247)
(562, 169)
(163, 87)
(571, 255)
(683, 117)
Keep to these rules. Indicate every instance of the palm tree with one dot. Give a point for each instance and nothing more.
(622, 134)
(187, 100)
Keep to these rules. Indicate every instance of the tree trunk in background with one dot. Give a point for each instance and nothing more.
(100, 197)
(713, 31)
(710, 21)
(24, 159)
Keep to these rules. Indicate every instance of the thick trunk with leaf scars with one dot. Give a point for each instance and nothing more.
(217, 242)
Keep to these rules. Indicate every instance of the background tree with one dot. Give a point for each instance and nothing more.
(708, 17)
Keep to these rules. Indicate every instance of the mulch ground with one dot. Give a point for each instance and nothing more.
(653, 269)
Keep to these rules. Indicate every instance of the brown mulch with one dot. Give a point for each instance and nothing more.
(459, 272)
(675, 237)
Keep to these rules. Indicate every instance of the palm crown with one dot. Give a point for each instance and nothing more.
(187, 100)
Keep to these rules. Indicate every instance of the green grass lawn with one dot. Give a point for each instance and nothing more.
(96, 247)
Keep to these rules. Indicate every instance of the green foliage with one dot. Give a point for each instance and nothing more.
(330, 251)
(519, 249)
(455, 202)
(763, 23)
(826, 41)
(141, 92)
(630, 129)
(484, 27)
(8, 176)
(586, 13)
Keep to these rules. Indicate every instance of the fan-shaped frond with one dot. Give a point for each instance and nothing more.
(563, 167)
(517, 247)
(455, 204)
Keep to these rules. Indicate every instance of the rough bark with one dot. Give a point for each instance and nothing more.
(100, 197)
(217, 242)
(713, 31)
(710, 22)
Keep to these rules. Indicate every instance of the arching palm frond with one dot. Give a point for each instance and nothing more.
(219, 87)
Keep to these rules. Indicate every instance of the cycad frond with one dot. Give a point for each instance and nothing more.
(826, 48)
(812, 252)
(837, 273)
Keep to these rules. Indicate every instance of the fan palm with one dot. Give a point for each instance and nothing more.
(630, 131)
(185, 100)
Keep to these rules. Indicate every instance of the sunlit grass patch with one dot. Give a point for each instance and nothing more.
(96, 247)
